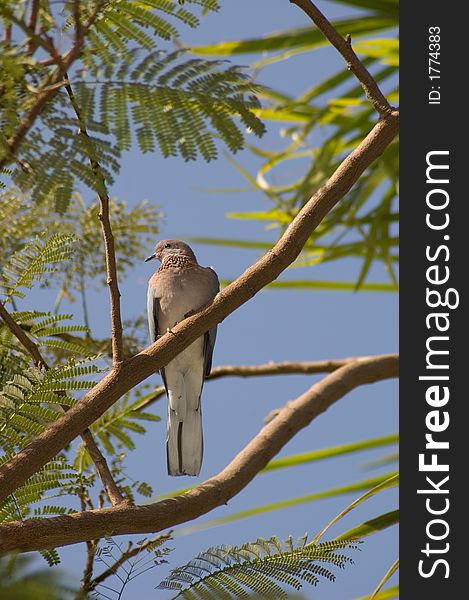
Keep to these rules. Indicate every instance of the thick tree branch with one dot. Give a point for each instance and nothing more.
(372, 91)
(134, 370)
(59, 531)
(98, 459)
(111, 266)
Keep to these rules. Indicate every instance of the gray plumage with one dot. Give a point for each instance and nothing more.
(179, 287)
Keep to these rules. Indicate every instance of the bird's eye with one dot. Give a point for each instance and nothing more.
(168, 246)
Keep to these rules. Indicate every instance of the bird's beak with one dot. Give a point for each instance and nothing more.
(151, 257)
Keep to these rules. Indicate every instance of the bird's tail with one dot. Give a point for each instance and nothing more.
(184, 442)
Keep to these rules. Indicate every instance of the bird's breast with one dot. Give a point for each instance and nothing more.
(183, 293)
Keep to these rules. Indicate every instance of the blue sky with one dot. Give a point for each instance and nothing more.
(275, 325)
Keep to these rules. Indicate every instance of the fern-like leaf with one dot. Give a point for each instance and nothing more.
(34, 260)
(51, 556)
(264, 567)
(114, 429)
(52, 476)
(31, 399)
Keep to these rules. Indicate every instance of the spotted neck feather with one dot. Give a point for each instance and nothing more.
(176, 261)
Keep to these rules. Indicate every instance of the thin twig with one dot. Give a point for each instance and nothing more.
(271, 368)
(126, 555)
(280, 368)
(7, 34)
(77, 19)
(90, 556)
(344, 47)
(31, 47)
(111, 266)
(22, 337)
(97, 457)
(84, 305)
(216, 491)
(25, 27)
(104, 472)
(88, 570)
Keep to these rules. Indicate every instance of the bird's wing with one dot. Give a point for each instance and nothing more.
(153, 310)
(210, 336)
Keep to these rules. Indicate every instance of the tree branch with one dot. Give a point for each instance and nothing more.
(281, 368)
(33, 15)
(136, 369)
(98, 459)
(32, 25)
(7, 34)
(111, 487)
(59, 531)
(111, 266)
(88, 570)
(130, 552)
(271, 368)
(344, 46)
(90, 555)
(22, 337)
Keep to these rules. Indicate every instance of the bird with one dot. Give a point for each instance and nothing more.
(179, 287)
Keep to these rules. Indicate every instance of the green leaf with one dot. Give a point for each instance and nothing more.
(331, 82)
(389, 482)
(346, 489)
(305, 38)
(387, 576)
(382, 460)
(53, 386)
(36, 258)
(263, 567)
(231, 242)
(371, 526)
(51, 331)
(387, 50)
(51, 556)
(287, 115)
(388, 594)
(299, 459)
(342, 286)
(275, 215)
(21, 579)
(63, 345)
(385, 6)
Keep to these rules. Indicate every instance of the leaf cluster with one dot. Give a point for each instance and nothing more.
(263, 567)
(126, 85)
(78, 265)
(32, 397)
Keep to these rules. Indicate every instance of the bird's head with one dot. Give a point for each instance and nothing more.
(171, 248)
